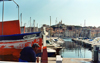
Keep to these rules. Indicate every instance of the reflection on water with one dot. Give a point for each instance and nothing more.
(68, 39)
(72, 50)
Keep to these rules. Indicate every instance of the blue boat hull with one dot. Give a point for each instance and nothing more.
(49, 54)
(19, 36)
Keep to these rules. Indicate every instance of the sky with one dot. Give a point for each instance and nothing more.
(71, 12)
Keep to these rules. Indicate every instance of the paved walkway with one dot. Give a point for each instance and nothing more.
(65, 60)
(70, 60)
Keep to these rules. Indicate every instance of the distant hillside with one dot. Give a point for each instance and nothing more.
(63, 26)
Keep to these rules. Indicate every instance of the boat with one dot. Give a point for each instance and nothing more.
(48, 43)
(52, 45)
(58, 40)
(12, 41)
(51, 52)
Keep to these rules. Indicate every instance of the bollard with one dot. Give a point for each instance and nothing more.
(44, 57)
(95, 53)
(37, 59)
(99, 53)
(58, 59)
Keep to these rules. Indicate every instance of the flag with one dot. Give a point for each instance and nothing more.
(6, 0)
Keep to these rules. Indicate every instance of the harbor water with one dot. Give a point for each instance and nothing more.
(73, 50)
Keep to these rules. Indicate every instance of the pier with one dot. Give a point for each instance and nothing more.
(84, 43)
(94, 46)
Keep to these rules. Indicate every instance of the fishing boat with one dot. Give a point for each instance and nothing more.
(12, 41)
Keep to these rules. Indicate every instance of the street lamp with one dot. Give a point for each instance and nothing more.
(18, 8)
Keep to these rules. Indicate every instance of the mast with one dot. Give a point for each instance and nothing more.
(84, 23)
(50, 28)
(56, 20)
(21, 18)
(30, 24)
(37, 27)
(59, 29)
(34, 25)
(24, 24)
(2, 16)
